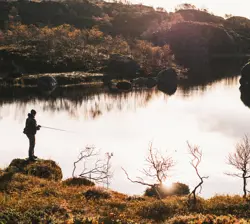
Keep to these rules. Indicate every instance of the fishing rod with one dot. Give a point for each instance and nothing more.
(56, 129)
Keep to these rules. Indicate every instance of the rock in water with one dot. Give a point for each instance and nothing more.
(245, 74)
(245, 71)
(169, 90)
(124, 85)
(167, 79)
(143, 81)
(140, 81)
(46, 83)
(151, 82)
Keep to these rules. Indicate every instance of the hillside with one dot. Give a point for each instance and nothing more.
(33, 192)
(83, 35)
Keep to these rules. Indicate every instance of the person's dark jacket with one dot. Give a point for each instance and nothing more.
(30, 125)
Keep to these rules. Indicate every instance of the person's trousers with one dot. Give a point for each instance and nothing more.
(32, 141)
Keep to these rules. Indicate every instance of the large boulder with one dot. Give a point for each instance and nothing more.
(121, 65)
(168, 90)
(245, 71)
(139, 82)
(144, 82)
(46, 83)
(151, 82)
(245, 95)
(124, 85)
(245, 75)
(167, 81)
(46, 169)
(116, 86)
(167, 78)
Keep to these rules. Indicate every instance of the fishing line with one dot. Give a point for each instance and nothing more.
(57, 129)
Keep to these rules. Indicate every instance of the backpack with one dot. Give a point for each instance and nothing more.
(25, 130)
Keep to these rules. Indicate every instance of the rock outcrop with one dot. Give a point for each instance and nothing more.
(46, 169)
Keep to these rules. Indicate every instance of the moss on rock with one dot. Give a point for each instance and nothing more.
(47, 169)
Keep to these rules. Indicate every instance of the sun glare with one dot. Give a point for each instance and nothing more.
(168, 184)
(220, 8)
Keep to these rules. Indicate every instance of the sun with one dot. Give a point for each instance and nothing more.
(167, 183)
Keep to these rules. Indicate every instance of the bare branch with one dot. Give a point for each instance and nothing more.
(234, 175)
(88, 152)
(157, 168)
(196, 153)
(240, 159)
(137, 181)
(101, 170)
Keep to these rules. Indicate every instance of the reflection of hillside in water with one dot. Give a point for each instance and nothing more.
(188, 89)
(78, 101)
(91, 102)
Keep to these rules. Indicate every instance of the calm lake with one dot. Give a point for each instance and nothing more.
(212, 116)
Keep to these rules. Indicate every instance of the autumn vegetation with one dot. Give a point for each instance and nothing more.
(34, 192)
(82, 35)
(28, 198)
(32, 199)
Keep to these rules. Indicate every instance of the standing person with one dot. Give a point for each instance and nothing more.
(30, 130)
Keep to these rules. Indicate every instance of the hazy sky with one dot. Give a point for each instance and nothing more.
(218, 7)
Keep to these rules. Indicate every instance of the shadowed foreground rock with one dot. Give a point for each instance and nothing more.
(171, 90)
(144, 82)
(124, 85)
(245, 95)
(46, 169)
(245, 75)
(46, 83)
(167, 78)
(167, 81)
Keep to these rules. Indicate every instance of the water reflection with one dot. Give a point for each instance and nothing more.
(77, 100)
(93, 101)
(188, 89)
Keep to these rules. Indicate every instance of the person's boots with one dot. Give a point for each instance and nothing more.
(32, 158)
